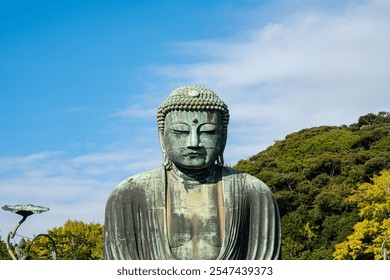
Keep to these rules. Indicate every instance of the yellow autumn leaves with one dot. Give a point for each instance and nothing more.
(373, 201)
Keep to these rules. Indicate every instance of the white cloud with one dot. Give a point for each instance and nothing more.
(73, 188)
(137, 111)
(309, 69)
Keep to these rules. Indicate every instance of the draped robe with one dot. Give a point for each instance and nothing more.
(136, 227)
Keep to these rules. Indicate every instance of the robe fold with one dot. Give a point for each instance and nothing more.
(136, 228)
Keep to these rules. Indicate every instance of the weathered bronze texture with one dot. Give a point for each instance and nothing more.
(192, 207)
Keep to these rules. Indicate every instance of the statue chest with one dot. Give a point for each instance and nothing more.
(194, 221)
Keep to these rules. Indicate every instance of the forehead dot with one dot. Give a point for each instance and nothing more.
(195, 120)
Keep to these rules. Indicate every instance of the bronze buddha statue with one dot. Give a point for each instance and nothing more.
(192, 207)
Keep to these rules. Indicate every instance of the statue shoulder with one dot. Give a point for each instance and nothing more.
(139, 181)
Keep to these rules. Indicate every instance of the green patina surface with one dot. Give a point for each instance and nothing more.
(192, 207)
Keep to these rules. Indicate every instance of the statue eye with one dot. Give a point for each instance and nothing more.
(179, 128)
(208, 128)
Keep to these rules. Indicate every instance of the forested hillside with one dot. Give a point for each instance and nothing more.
(314, 173)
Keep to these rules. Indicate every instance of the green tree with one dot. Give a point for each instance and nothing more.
(373, 201)
(75, 240)
(3, 251)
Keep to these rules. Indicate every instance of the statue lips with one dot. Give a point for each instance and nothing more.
(194, 154)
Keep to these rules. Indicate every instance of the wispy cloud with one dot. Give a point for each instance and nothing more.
(137, 111)
(73, 187)
(309, 69)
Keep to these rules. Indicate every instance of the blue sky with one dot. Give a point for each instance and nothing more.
(80, 82)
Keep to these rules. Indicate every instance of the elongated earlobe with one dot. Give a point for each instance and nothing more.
(220, 161)
(166, 161)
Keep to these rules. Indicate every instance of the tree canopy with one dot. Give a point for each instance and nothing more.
(373, 202)
(3, 251)
(75, 240)
(313, 174)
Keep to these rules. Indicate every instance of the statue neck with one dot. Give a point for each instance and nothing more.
(206, 175)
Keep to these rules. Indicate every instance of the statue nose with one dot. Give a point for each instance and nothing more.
(193, 140)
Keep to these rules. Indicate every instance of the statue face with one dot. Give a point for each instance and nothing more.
(193, 139)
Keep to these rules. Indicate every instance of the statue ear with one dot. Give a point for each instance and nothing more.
(224, 139)
(161, 140)
(166, 160)
(220, 160)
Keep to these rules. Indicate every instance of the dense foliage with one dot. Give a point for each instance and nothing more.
(3, 251)
(75, 240)
(312, 173)
(373, 201)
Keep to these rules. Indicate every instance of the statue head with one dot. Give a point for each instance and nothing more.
(192, 124)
